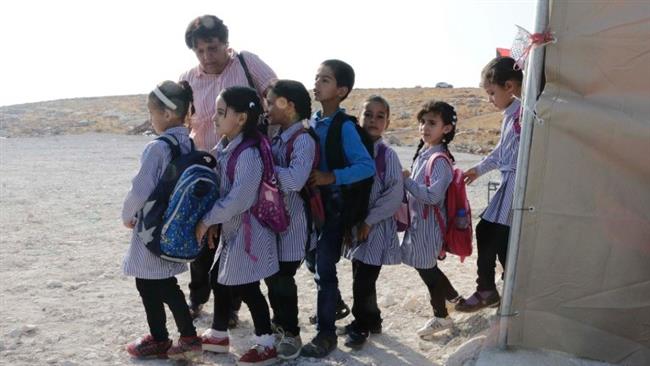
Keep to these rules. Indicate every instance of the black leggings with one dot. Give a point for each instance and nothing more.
(439, 289)
(250, 293)
(364, 291)
(156, 293)
(492, 243)
(283, 296)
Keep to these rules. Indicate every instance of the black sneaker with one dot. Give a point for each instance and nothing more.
(319, 347)
(195, 309)
(343, 331)
(342, 310)
(355, 339)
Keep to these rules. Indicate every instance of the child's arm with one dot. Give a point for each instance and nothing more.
(441, 177)
(361, 165)
(243, 194)
(391, 197)
(144, 181)
(294, 177)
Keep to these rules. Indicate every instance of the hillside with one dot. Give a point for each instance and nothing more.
(478, 127)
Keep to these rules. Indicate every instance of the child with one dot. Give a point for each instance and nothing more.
(502, 82)
(244, 257)
(345, 169)
(289, 104)
(376, 241)
(423, 239)
(168, 104)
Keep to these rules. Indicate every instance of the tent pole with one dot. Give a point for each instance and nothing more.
(534, 70)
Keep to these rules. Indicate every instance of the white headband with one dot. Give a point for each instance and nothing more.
(164, 99)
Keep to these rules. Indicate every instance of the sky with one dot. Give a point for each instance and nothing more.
(68, 49)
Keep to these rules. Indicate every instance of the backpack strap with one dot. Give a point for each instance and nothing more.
(232, 161)
(310, 131)
(428, 171)
(380, 161)
(240, 56)
(173, 144)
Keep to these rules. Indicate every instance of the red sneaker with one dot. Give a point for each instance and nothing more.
(259, 356)
(187, 348)
(147, 347)
(214, 343)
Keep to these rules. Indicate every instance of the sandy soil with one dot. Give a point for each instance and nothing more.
(65, 302)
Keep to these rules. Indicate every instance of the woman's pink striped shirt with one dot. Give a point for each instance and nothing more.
(206, 88)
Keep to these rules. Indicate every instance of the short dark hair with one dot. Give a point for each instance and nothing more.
(343, 73)
(379, 99)
(179, 93)
(243, 99)
(296, 93)
(500, 70)
(205, 27)
(448, 116)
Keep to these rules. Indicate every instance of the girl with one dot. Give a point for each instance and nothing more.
(423, 239)
(169, 105)
(376, 241)
(502, 82)
(243, 257)
(289, 106)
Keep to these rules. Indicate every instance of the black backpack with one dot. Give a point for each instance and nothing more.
(355, 196)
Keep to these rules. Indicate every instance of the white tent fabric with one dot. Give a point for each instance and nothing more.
(582, 281)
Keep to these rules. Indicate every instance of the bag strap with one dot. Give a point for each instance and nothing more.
(232, 161)
(428, 170)
(173, 145)
(380, 161)
(309, 131)
(240, 56)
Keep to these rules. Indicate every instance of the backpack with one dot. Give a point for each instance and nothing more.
(402, 216)
(186, 191)
(355, 196)
(311, 195)
(457, 234)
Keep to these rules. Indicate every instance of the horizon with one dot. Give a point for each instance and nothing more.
(78, 45)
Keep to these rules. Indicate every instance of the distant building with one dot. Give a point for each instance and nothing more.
(503, 52)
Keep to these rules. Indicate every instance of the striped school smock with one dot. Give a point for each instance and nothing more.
(206, 88)
(382, 246)
(139, 261)
(292, 176)
(504, 158)
(423, 239)
(236, 265)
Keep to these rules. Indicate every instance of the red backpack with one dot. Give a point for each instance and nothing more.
(457, 234)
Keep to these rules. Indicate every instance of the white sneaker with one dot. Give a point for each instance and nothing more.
(435, 325)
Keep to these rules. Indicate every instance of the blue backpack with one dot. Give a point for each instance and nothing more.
(186, 191)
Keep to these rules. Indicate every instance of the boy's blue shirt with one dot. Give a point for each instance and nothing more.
(360, 163)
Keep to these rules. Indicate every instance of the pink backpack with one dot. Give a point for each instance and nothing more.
(457, 234)
(270, 209)
(402, 216)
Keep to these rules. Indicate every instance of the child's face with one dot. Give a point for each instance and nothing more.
(500, 96)
(374, 119)
(279, 109)
(212, 55)
(160, 117)
(325, 87)
(226, 121)
(432, 128)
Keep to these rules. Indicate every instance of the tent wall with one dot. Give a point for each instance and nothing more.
(582, 282)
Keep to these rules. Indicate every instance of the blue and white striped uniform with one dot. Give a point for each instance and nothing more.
(503, 157)
(292, 176)
(382, 246)
(139, 261)
(236, 266)
(423, 239)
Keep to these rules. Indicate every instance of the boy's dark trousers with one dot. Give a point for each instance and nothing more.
(365, 310)
(250, 293)
(491, 242)
(283, 296)
(156, 293)
(200, 278)
(440, 289)
(328, 253)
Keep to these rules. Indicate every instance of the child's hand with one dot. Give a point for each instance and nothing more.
(318, 178)
(470, 176)
(406, 173)
(213, 236)
(363, 231)
(130, 224)
(200, 231)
